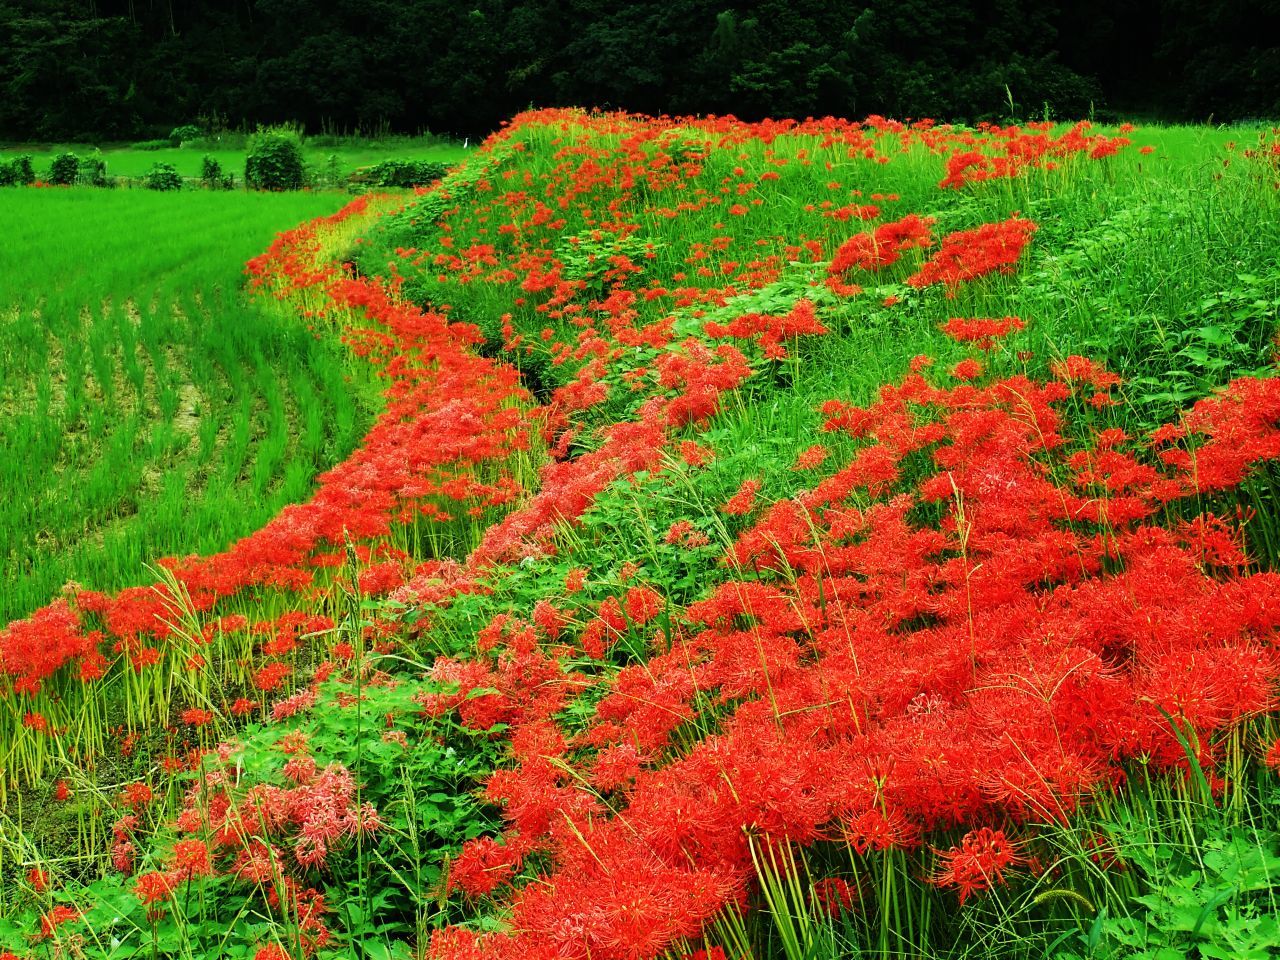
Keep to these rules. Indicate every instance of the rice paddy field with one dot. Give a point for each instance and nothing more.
(150, 408)
(672, 538)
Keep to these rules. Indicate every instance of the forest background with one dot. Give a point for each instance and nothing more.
(96, 70)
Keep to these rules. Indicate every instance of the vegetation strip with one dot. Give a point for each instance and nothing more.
(784, 591)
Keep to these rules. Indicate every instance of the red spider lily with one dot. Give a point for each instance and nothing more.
(482, 866)
(694, 454)
(1272, 759)
(684, 534)
(642, 604)
(1077, 369)
(872, 829)
(122, 852)
(34, 649)
(38, 879)
(194, 717)
(137, 796)
(1012, 151)
(769, 331)
(55, 918)
(153, 888)
(882, 247)
(978, 863)
(811, 458)
(191, 859)
(258, 862)
(272, 676)
(835, 895)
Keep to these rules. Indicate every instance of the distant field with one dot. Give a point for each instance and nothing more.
(125, 161)
(146, 407)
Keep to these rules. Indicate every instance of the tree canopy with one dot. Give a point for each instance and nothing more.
(113, 69)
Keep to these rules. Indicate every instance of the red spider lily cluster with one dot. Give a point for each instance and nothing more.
(874, 250)
(982, 332)
(885, 674)
(1001, 663)
(771, 332)
(1264, 156)
(983, 607)
(265, 836)
(33, 650)
(1008, 152)
(968, 254)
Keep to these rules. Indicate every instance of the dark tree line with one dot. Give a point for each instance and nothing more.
(123, 69)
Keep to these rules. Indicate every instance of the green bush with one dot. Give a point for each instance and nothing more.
(210, 172)
(274, 160)
(330, 175)
(162, 176)
(400, 173)
(151, 145)
(64, 169)
(188, 131)
(93, 171)
(212, 176)
(24, 171)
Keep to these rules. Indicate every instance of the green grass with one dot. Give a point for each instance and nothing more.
(149, 408)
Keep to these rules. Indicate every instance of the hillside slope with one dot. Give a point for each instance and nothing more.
(790, 539)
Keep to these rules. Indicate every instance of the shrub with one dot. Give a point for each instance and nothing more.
(64, 169)
(151, 145)
(400, 173)
(331, 173)
(163, 176)
(212, 176)
(93, 171)
(274, 160)
(210, 172)
(8, 176)
(23, 170)
(187, 131)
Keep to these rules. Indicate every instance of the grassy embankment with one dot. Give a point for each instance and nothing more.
(938, 672)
